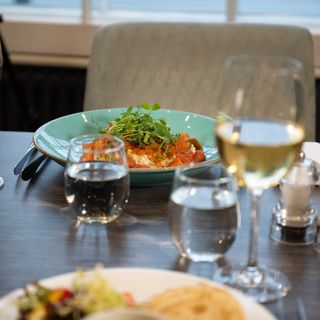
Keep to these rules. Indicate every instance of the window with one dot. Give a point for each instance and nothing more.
(238, 10)
(193, 6)
(301, 12)
(307, 8)
(63, 29)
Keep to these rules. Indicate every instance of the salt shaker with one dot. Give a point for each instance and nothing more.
(294, 219)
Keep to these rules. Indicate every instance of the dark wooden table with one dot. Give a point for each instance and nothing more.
(39, 237)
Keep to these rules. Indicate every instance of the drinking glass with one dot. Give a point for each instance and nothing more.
(259, 136)
(203, 212)
(96, 178)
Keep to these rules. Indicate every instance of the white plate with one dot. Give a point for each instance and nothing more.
(143, 284)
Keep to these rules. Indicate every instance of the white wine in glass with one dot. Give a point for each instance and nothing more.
(259, 137)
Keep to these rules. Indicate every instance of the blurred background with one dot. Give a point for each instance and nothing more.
(48, 42)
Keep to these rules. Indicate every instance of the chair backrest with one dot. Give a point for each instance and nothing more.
(178, 64)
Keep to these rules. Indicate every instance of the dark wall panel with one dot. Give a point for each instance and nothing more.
(31, 96)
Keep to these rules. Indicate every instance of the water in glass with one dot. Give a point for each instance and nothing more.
(97, 190)
(203, 215)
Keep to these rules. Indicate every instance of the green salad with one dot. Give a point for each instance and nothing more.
(90, 292)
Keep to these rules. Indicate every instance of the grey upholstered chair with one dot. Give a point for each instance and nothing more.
(178, 64)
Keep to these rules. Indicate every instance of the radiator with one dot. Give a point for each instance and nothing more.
(42, 94)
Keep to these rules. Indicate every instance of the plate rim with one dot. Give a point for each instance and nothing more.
(245, 301)
(131, 170)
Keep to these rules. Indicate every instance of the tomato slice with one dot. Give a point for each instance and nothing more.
(59, 295)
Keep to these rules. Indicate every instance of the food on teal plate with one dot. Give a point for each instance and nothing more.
(149, 142)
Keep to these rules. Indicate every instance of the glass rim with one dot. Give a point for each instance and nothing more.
(180, 173)
(77, 142)
(293, 63)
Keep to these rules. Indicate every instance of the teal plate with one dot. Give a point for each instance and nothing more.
(52, 139)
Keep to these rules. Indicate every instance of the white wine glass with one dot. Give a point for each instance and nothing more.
(259, 137)
(96, 178)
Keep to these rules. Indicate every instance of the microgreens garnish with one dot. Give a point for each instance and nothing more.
(136, 126)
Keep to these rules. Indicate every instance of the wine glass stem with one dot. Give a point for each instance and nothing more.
(256, 195)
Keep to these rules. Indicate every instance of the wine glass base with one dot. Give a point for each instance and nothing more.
(1, 182)
(262, 284)
(97, 220)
